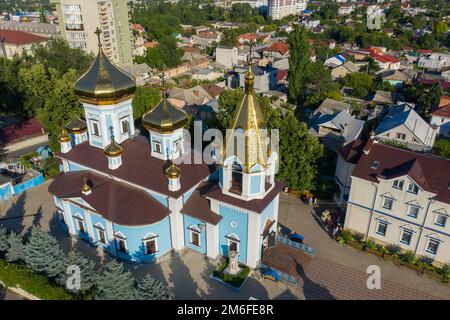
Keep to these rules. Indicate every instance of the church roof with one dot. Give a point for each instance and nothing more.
(138, 166)
(76, 125)
(199, 207)
(104, 82)
(165, 117)
(248, 117)
(110, 198)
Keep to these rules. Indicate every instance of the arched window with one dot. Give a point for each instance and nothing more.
(150, 243)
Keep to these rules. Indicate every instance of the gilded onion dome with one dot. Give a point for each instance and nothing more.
(113, 149)
(86, 188)
(104, 83)
(165, 117)
(173, 171)
(249, 119)
(63, 137)
(76, 126)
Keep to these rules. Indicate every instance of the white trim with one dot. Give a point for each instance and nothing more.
(428, 242)
(155, 239)
(198, 233)
(231, 240)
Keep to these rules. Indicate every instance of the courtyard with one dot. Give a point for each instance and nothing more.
(335, 272)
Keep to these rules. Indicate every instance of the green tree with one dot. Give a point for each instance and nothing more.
(144, 99)
(16, 250)
(43, 255)
(362, 83)
(428, 98)
(87, 270)
(299, 63)
(442, 148)
(115, 283)
(4, 245)
(440, 27)
(149, 288)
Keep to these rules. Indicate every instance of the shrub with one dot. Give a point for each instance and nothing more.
(371, 245)
(408, 257)
(445, 271)
(234, 280)
(383, 250)
(346, 236)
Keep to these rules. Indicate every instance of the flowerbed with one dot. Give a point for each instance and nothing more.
(234, 280)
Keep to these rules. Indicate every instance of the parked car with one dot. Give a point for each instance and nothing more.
(270, 274)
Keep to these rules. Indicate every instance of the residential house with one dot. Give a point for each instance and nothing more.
(190, 99)
(16, 42)
(395, 77)
(335, 61)
(441, 117)
(278, 50)
(435, 61)
(336, 129)
(227, 56)
(386, 61)
(345, 10)
(403, 125)
(344, 69)
(265, 78)
(401, 199)
(383, 98)
(141, 72)
(16, 136)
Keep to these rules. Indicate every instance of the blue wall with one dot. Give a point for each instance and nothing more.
(160, 198)
(255, 184)
(240, 217)
(31, 183)
(5, 192)
(188, 221)
(135, 235)
(75, 211)
(75, 167)
(267, 213)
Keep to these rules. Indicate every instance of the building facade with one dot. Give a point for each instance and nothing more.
(79, 18)
(140, 198)
(278, 9)
(402, 199)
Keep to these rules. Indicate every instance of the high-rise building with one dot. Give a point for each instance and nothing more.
(78, 19)
(278, 9)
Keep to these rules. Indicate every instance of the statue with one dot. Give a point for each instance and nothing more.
(233, 266)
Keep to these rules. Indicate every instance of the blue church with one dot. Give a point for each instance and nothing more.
(124, 193)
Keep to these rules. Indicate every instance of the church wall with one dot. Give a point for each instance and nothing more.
(193, 222)
(268, 213)
(135, 244)
(188, 194)
(235, 222)
(77, 211)
(97, 219)
(255, 184)
(160, 198)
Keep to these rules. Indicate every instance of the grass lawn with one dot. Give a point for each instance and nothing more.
(15, 275)
(236, 280)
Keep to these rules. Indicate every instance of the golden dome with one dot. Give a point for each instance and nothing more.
(76, 126)
(104, 82)
(173, 171)
(63, 137)
(165, 117)
(113, 149)
(86, 188)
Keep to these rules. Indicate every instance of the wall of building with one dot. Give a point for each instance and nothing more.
(234, 221)
(193, 223)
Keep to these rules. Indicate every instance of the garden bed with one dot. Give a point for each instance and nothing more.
(235, 281)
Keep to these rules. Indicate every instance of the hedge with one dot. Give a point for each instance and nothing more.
(15, 275)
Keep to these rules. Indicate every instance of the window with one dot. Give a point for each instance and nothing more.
(177, 145)
(375, 164)
(122, 245)
(440, 220)
(387, 203)
(432, 246)
(406, 237)
(413, 188)
(400, 136)
(398, 184)
(413, 211)
(80, 224)
(195, 238)
(157, 146)
(125, 126)
(382, 228)
(150, 246)
(95, 129)
(101, 236)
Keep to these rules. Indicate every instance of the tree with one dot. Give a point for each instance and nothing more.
(440, 27)
(115, 283)
(428, 98)
(361, 83)
(4, 245)
(442, 148)
(149, 288)
(319, 79)
(144, 99)
(299, 63)
(43, 255)
(87, 271)
(16, 250)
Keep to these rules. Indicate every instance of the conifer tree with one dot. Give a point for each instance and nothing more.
(148, 288)
(88, 274)
(115, 283)
(43, 255)
(4, 245)
(16, 250)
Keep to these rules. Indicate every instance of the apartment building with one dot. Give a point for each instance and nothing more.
(78, 19)
(401, 198)
(278, 9)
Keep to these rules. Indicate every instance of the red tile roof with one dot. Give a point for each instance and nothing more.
(279, 47)
(352, 151)
(394, 162)
(20, 38)
(20, 131)
(115, 201)
(282, 75)
(424, 51)
(444, 101)
(385, 58)
(443, 112)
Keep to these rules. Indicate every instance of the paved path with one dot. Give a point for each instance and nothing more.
(336, 272)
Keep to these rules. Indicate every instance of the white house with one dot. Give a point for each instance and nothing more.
(435, 61)
(441, 117)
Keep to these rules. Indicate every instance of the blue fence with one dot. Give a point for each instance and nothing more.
(30, 183)
(297, 245)
(286, 277)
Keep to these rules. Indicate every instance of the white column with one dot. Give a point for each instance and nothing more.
(89, 228)
(68, 217)
(66, 167)
(111, 238)
(276, 206)
(212, 241)
(176, 223)
(254, 239)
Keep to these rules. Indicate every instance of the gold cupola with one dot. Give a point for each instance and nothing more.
(104, 83)
(249, 120)
(63, 137)
(165, 117)
(113, 149)
(173, 171)
(76, 126)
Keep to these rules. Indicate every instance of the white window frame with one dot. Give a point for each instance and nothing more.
(96, 123)
(99, 228)
(414, 187)
(384, 201)
(149, 238)
(428, 243)
(79, 220)
(124, 119)
(154, 144)
(399, 182)
(380, 222)
(233, 238)
(409, 211)
(401, 236)
(121, 237)
(400, 136)
(436, 218)
(191, 239)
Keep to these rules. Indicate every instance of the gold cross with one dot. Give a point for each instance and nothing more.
(98, 32)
